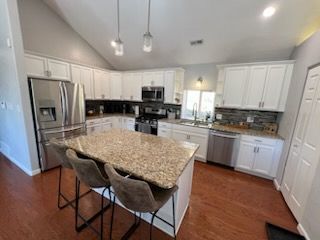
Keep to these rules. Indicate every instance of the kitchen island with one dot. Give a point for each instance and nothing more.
(160, 161)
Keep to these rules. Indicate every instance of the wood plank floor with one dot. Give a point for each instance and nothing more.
(224, 205)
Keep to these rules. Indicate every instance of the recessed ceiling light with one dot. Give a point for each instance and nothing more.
(268, 12)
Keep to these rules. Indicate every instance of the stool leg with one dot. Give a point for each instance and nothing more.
(151, 224)
(112, 213)
(174, 217)
(101, 217)
(59, 186)
(77, 203)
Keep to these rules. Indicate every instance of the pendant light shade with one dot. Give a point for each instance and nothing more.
(118, 44)
(147, 37)
(118, 49)
(147, 42)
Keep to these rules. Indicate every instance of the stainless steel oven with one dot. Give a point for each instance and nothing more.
(153, 94)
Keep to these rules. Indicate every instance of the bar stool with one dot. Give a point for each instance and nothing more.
(87, 172)
(59, 150)
(138, 196)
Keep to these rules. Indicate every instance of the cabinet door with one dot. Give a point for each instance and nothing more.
(158, 79)
(36, 66)
(106, 126)
(87, 81)
(93, 129)
(169, 87)
(179, 136)
(116, 122)
(234, 86)
(76, 74)
(116, 86)
(147, 79)
(101, 85)
(246, 155)
(264, 159)
(164, 132)
(59, 70)
(202, 140)
(136, 86)
(255, 87)
(273, 87)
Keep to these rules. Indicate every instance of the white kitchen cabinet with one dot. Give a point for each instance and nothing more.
(116, 122)
(173, 86)
(84, 76)
(193, 135)
(234, 86)
(128, 123)
(259, 156)
(116, 86)
(255, 87)
(106, 126)
(48, 68)
(58, 69)
(101, 84)
(273, 87)
(164, 129)
(131, 86)
(153, 78)
(36, 66)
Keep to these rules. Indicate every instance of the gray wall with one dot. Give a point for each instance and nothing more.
(306, 55)
(208, 71)
(45, 32)
(16, 128)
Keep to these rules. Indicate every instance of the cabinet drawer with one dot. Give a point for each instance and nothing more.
(197, 130)
(165, 125)
(105, 120)
(93, 122)
(259, 140)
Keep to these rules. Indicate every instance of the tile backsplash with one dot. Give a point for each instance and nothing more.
(236, 116)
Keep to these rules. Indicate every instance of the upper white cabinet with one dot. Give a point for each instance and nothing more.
(131, 86)
(234, 86)
(116, 86)
(259, 156)
(255, 86)
(83, 75)
(101, 84)
(153, 78)
(173, 86)
(45, 67)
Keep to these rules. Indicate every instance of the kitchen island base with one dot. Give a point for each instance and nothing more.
(182, 197)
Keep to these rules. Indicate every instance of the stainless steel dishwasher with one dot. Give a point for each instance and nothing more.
(223, 147)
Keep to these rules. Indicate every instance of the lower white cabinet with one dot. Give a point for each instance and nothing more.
(259, 156)
(188, 134)
(128, 123)
(107, 123)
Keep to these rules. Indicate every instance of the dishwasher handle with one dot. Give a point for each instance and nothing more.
(225, 135)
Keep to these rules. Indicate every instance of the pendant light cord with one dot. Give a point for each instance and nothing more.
(149, 16)
(118, 19)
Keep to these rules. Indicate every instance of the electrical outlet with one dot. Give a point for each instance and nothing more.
(219, 116)
(250, 119)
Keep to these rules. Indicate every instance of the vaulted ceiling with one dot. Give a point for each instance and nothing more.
(232, 30)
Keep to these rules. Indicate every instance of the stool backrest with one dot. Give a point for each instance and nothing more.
(135, 195)
(59, 150)
(87, 171)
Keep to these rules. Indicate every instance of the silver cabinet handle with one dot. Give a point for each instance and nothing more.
(222, 102)
(257, 140)
(295, 145)
(259, 104)
(258, 149)
(254, 150)
(262, 104)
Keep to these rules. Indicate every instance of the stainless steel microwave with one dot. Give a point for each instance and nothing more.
(153, 94)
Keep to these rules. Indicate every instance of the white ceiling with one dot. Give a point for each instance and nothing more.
(233, 30)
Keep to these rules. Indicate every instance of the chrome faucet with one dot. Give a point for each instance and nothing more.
(195, 112)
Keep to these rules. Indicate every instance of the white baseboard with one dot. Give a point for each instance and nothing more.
(276, 184)
(303, 232)
(5, 152)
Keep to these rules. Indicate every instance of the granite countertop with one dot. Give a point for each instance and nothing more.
(105, 115)
(157, 160)
(219, 127)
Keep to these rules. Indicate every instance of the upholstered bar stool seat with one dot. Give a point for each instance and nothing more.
(138, 196)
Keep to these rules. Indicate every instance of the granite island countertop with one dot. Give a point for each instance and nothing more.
(157, 160)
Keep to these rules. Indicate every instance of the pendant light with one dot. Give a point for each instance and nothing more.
(118, 44)
(147, 37)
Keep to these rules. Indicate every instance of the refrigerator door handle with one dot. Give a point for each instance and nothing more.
(63, 130)
(63, 103)
(66, 100)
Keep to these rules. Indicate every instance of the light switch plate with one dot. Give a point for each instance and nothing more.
(250, 119)
(219, 116)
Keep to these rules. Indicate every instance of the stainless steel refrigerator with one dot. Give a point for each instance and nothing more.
(59, 112)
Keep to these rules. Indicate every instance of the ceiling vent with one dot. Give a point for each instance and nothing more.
(196, 42)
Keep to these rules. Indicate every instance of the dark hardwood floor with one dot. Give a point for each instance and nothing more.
(224, 205)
